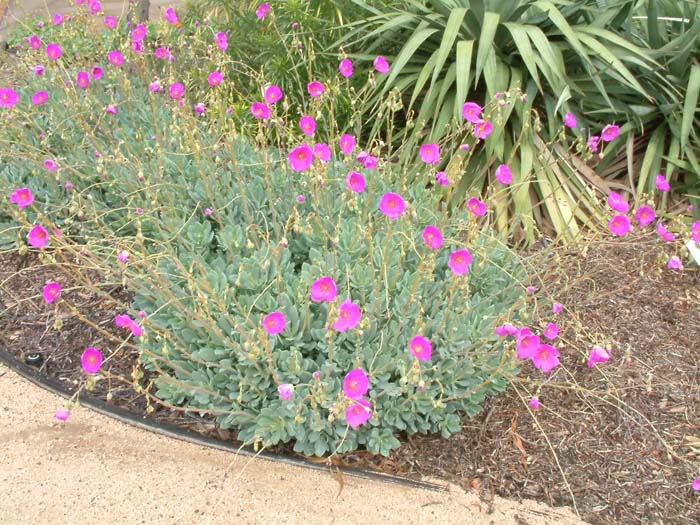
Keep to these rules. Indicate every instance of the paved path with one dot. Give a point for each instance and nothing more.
(93, 469)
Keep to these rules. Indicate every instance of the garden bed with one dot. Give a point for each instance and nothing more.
(616, 442)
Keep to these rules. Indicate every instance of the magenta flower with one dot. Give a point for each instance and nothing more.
(111, 109)
(345, 67)
(355, 182)
(534, 403)
(695, 232)
(459, 261)
(619, 225)
(476, 206)
(570, 120)
(505, 329)
(441, 178)
(82, 79)
(91, 360)
(57, 19)
(95, 7)
(593, 143)
(358, 413)
(171, 16)
(22, 197)
(53, 51)
(355, 383)
(432, 236)
(420, 348)
(346, 143)
(51, 291)
(97, 72)
(154, 86)
(260, 110)
(139, 33)
(597, 355)
(664, 233)
(199, 108)
(177, 90)
(34, 42)
(551, 331)
(315, 88)
(661, 183)
(285, 391)
(110, 22)
(273, 94)
(322, 152)
(38, 70)
(115, 58)
(381, 65)
(274, 322)
(610, 133)
(307, 125)
(557, 307)
(221, 41)
(482, 129)
(503, 174)
(38, 236)
(50, 165)
(323, 290)
(546, 358)
(123, 256)
(674, 263)
(430, 153)
(696, 484)
(471, 111)
(392, 205)
(124, 321)
(8, 97)
(370, 162)
(617, 203)
(348, 316)
(61, 414)
(262, 10)
(527, 345)
(301, 157)
(645, 216)
(215, 78)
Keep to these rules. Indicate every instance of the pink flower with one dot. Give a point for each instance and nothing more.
(546, 358)
(61, 414)
(557, 307)
(322, 152)
(51, 291)
(177, 90)
(551, 331)
(111, 109)
(534, 403)
(432, 236)
(139, 33)
(50, 165)
(38, 70)
(8, 97)
(200, 108)
(274, 322)
(441, 178)
(505, 329)
(57, 19)
(22, 197)
(307, 125)
(53, 51)
(215, 78)
(381, 65)
(644, 216)
(272, 94)
(355, 182)
(346, 143)
(345, 67)
(348, 316)
(503, 174)
(171, 16)
(34, 42)
(370, 162)
(124, 321)
(38, 236)
(207, 211)
(430, 153)
(482, 129)
(221, 41)
(593, 143)
(610, 133)
(110, 22)
(619, 225)
(696, 484)
(471, 111)
(358, 413)
(95, 7)
(301, 157)
(527, 345)
(315, 88)
(123, 256)
(476, 206)
(420, 348)
(97, 72)
(285, 391)
(459, 261)
(674, 263)
(617, 203)
(597, 355)
(323, 289)
(115, 58)
(260, 110)
(91, 360)
(530, 289)
(664, 233)
(695, 232)
(154, 86)
(82, 79)
(262, 11)
(392, 205)
(570, 120)
(661, 183)
(355, 383)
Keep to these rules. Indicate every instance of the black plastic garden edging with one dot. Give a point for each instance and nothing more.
(190, 436)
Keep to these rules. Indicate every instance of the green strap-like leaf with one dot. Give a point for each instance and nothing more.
(488, 31)
(463, 61)
(449, 36)
(690, 105)
(522, 43)
(413, 43)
